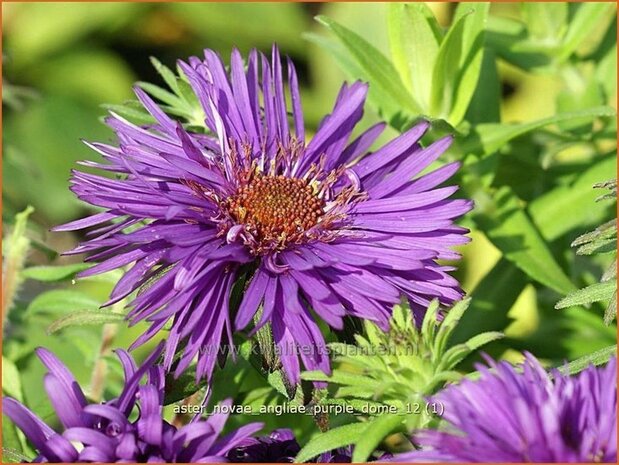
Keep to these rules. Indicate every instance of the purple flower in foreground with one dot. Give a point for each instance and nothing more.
(317, 230)
(107, 432)
(507, 416)
(280, 446)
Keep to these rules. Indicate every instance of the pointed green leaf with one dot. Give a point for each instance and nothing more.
(447, 326)
(329, 440)
(429, 325)
(455, 354)
(611, 271)
(131, 110)
(54, 273)
(167, 74)
(611, 311)
(603, 231)
(385, 83)
(488, 138)
(445, 72)
(163, 95)
(593, 293)
(596, 358)
(469, 67)
(414, 39)
(376, 430)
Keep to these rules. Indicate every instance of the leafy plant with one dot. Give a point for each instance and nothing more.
(179, 101)
(400, 369)
(602, 240)
(431, 73)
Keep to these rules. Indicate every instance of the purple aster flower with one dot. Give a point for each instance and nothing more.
(508, 416)
(318, 230)
(107, 432)
(280, 446)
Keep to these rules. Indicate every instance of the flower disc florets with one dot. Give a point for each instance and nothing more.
(275, 209)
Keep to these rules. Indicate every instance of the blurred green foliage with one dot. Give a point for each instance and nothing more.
(528, 89)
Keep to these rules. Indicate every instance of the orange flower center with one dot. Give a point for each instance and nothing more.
(276, 208)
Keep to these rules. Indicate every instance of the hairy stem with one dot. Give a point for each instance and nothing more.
(97, 380)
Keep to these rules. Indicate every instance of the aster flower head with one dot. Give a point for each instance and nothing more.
(107, 432)
(317, 231)
(533, 416)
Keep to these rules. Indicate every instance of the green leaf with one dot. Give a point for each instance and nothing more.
(131, 110)
(94, 317)
(508, 38)
(167, 74)
(596, 358)
(341, 377)
(61, 300)
(177, 389)
(593, 293)
(54, 273)
(545, 20)
(566, 207)
(598, 246)
(187, 93)
(611, 271)
(611, 311)
(606, 72)
(414, 39)
(581, 91)
(445, 72)
(332, 439)
(488, 138)
(14, 253)
(485, 105)
(162, 94)
(277, 379)
(455, 354)
(602, 239)
(12, 450)
(386, 87)
(587, 18)
(511, 231)
(447, 326)
(11, 381)
(473, 36)
(428, 326)
(375, 432)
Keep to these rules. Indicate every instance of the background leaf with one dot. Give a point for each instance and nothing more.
(512, 232)
(329, 440)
